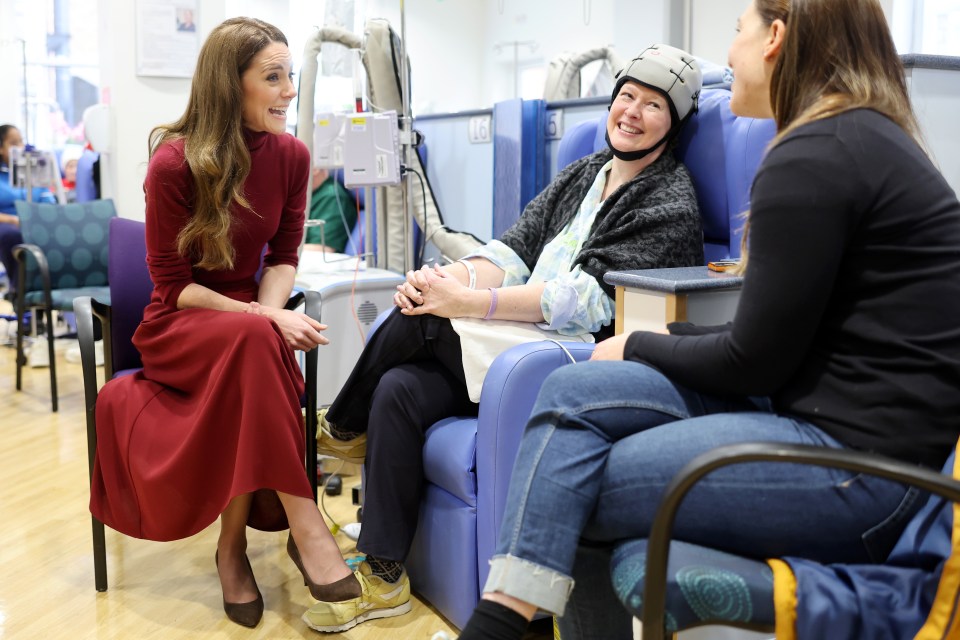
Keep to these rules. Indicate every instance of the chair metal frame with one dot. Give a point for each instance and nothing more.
(88, 309)
(658, 545)
(20, 255)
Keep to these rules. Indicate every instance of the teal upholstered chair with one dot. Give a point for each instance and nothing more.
(913, 593)
(64, 255)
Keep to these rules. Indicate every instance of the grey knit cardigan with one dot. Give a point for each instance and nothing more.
(651, 222)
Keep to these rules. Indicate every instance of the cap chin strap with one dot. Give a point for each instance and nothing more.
(633, 155)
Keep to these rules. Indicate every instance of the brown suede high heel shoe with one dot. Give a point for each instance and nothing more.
(343, 589)
(247, 614)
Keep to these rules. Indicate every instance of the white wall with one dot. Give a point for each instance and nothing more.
(628, 26)
(138, 103)
(457, 66)
(935, 94)
(445, 45)
(451, 48)
(638, 24)
(713, 23)
(713, 27)
(552, 27)
(141, 103)
(443, 60)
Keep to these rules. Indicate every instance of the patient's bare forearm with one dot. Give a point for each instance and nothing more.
(521, 302)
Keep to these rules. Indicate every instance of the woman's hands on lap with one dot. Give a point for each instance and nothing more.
(432, 290)
(299, 330)
(409, 295)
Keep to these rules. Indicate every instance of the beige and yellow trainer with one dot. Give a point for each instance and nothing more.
(354, 450)
(378, 599)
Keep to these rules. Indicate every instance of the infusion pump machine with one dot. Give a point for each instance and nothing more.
(32, 168)
(348, 308)
(365, 145)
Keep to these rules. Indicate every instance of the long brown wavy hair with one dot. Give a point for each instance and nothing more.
(837, 55)
(212, 129)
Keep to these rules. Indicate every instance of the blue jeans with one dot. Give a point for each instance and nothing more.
(604, 440)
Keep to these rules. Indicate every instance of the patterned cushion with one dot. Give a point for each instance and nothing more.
(73, 237)
(704, 586)
(63, 298)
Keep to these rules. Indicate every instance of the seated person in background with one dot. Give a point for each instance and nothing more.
(10, 235)
(631, 206)
(334, 205)
(847, 335)
(70, 174)
(69, 160)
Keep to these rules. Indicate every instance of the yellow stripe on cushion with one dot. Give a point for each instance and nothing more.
(938, 624)
(784, 599)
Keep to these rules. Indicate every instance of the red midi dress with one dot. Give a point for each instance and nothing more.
(215, 412)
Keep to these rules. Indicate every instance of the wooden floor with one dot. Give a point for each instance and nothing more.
(157, 590)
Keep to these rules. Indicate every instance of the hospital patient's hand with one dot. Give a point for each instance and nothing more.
(611, 348)
(433, 290)
(410, 294)
(299, 330)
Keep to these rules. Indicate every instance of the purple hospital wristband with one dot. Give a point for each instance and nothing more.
(493, 304)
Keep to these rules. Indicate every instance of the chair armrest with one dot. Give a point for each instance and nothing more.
(312, 302)
(20, 253)
(509, 392)
(658, 546)
(86, 309)
(675, 280)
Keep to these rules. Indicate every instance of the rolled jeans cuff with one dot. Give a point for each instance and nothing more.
(545, 588)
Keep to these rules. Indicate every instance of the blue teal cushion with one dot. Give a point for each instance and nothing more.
(74, 239)
(704, 586)
(63, 298)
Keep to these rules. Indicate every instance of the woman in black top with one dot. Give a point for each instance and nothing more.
(847, 335)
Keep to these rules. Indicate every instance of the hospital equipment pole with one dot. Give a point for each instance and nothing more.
(23, 54)
(406, 128)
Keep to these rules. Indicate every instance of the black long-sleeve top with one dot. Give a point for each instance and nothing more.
(849, 316)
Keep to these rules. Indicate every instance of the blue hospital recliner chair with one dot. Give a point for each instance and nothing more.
(468, 460)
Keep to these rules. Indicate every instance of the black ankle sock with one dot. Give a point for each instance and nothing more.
(493, 621)
(388, 570)
(340, 434)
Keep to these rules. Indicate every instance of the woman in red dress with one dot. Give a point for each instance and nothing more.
(212, 426)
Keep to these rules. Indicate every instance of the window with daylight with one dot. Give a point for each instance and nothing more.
(51, 70)
(927, 26)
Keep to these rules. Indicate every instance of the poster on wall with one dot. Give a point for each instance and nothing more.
(167, 38)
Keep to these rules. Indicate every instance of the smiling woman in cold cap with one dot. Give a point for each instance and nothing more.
(631, 206)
